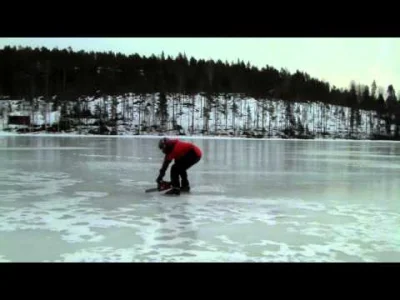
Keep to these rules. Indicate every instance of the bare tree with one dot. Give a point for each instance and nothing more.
(206, 112)
(216, 106)
(193, 111)
(234, 112)
(257, 113)
(139, 113)
(226, 110)
(47, 98)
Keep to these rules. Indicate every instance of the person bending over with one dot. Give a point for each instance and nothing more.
(185, 155)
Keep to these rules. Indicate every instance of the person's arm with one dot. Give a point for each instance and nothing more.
(170, 154)
(164, 168)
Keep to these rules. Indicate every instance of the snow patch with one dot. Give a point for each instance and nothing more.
(230, 115)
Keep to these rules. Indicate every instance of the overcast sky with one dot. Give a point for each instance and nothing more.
(336, 60)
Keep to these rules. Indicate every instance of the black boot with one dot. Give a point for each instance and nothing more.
(173, 191)
(185, 187)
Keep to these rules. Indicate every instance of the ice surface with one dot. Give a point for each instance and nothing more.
(251, 200)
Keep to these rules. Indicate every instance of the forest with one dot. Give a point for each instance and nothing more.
(62, 75)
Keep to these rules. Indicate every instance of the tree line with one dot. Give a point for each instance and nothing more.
(60, 75)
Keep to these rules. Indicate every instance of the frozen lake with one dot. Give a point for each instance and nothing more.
(82, 199)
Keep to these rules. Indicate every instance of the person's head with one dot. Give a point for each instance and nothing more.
(165, 145)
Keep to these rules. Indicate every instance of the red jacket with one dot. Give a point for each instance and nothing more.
(175, 149)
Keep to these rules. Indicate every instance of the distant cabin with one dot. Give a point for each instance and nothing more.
(19, 120)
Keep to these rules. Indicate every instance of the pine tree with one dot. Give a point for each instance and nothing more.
(366, 98)
(391, 105)
(352, 104)
(380, 108)
(397, 117)
(368, 104)
(373, 90)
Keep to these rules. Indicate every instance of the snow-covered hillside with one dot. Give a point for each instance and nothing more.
(232, 114)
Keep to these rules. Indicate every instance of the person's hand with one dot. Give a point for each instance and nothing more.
(159, 179)
(160, 176)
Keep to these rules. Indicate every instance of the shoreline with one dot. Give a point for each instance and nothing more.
(197, 137)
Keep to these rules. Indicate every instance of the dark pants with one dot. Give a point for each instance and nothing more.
(180, 166)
